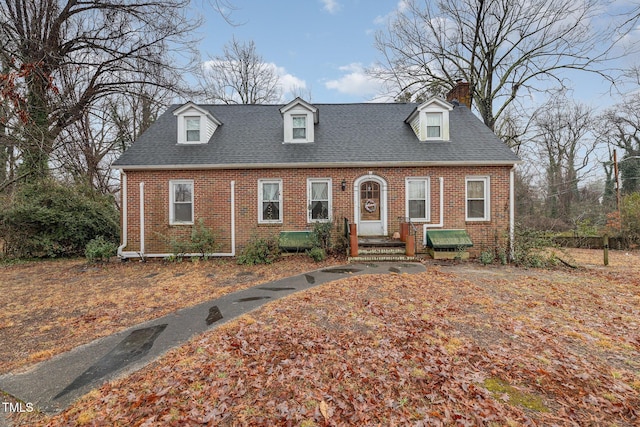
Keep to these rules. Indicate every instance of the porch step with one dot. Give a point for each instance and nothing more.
(381, 248)
(368, 250)
(379, 242)
(381, 258)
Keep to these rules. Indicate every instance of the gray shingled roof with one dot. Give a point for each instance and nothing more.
(364, 134)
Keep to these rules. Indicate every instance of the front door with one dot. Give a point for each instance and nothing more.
(371, 209)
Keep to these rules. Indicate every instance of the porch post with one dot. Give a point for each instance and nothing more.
(410, 247)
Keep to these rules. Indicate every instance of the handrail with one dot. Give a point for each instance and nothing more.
(415, 234)
(412, 227)
(346, 229)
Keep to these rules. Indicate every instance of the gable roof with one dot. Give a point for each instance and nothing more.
(301, 102)
(189, 106)
(436, 101)
(366, 134)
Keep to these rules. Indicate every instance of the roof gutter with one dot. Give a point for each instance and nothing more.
(318, 165)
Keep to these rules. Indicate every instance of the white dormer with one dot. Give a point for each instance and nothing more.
(430, 120)
(195, 125)
(299, 118)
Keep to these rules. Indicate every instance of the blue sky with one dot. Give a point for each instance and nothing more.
(322, 45)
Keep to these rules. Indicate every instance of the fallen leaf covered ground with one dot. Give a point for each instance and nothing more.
(49, 307)
(460, 344)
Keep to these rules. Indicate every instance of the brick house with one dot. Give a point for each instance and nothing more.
(257, 170)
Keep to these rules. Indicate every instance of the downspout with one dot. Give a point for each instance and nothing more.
(440, 224)
(123, 192)
(233, 218)
(142, 219)
(512, 212)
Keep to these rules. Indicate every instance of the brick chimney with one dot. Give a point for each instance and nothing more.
(460, 92)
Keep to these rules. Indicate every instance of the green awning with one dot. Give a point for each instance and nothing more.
(448, 239)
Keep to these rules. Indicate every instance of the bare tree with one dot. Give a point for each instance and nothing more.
(619, 126)
(63, 55)
(86, 149)
(562, 130)
(240, 76)
(501, 47)
(303, 92)
(513, 129)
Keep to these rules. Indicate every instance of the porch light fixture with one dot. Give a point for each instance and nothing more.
(344, 184)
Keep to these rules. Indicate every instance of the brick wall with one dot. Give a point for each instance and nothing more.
(212, 194)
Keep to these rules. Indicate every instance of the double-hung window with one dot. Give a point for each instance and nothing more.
(269, 201)
(299, 127)
(192, 128)
(477, 195)
(417, 198)
(434, 125)
(181, 202)
(319, 199)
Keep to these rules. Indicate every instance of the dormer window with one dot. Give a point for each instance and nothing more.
(196, 125)
(299, 119)
(434, 125)
(299, 127)
(430, 120)
(192, 125)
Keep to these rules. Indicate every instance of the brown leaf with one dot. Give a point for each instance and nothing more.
(324, 410)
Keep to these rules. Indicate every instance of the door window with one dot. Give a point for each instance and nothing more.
(370, 201)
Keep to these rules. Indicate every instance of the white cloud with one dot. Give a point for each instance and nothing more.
(331, 6)
(288, 82)
(356, 82)
(401, 7)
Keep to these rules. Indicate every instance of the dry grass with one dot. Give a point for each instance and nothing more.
(53, 306)
(458, 345)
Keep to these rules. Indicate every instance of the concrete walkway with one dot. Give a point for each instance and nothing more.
(52, 385)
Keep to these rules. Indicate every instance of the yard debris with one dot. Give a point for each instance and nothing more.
(457, 345)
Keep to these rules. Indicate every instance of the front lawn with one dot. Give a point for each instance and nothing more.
(458, 345)
(49, 307)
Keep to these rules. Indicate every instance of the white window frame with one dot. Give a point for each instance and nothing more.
(173, 183)
(427, 194)
(261, 182)
(186, 130)
(487, 198)
(310, 182)
(293, 128)
(440, 126)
